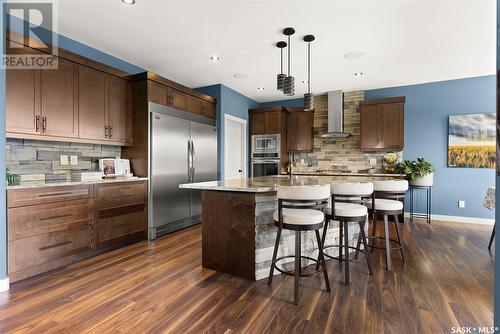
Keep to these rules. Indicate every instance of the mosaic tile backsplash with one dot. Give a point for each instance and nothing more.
(338, 153)
(37, 160)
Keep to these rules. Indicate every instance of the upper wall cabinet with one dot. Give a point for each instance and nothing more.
(171, 97)
(70, 103)
(267, 121)
(299, 125)
(104, 107)
(382, 124)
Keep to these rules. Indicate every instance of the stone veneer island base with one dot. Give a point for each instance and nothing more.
(238, 231)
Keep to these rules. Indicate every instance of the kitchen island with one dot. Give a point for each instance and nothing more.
(238, 231)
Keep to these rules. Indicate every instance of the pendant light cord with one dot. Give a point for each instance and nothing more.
(309, 67)
(281, 60)
(289, 55)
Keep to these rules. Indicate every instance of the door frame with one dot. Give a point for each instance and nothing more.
(243, 122)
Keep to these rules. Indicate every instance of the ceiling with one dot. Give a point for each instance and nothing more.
(405, 42)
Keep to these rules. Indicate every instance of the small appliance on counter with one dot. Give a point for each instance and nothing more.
(390, 163)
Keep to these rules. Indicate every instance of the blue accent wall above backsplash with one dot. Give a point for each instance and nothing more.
(427, 108)
(232, 103)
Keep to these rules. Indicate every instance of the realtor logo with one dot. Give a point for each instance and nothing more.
(31, 42)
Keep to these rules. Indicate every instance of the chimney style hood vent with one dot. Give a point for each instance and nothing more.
(335, 116)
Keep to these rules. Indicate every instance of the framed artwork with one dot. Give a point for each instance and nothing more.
(108, 167)
(472, 140)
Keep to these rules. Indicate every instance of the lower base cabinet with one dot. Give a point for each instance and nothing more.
(49, 228)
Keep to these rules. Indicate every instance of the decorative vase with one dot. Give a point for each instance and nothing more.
(424, 181)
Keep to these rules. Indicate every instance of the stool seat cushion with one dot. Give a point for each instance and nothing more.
(300, 216)
(391, 185)
(348, 210)
(386, 204)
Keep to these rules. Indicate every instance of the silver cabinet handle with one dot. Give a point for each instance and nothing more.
(193, 156)
(189, 161)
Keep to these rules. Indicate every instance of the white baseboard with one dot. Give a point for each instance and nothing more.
(4, 284)
(457, 219)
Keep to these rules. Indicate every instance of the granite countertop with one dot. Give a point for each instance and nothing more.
(347, 174)
(71, 183)
(270, 183)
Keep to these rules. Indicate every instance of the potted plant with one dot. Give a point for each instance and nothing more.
(418, 172)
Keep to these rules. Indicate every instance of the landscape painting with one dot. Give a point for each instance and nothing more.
(471, 140)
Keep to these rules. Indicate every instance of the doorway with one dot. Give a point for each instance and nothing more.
(235, 147)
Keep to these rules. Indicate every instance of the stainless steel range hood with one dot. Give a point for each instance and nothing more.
(335, 116)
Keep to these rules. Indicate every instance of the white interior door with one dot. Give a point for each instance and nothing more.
(235, 143)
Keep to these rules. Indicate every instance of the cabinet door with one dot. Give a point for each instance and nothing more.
(391, 129)
(300, 131)
(59, 107)
(208, 109)
(257, 123)
(370, 127)
(194, 105)
(119, 113)
(22, 101)
(177, 99)
(91, 103)
(157, 93)
(273, 122)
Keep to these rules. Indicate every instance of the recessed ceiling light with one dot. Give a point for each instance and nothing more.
(358, 74)
(129, 2)
(260, 88)
(240, 75)
(304, 82)
(356, 54)
(214, 58)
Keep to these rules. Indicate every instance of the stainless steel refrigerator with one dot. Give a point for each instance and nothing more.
(183, 149)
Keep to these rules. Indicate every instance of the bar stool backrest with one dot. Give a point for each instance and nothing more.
(390, 189)
(302, 197)
(352, 189)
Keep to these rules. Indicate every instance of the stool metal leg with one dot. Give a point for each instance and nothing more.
(297, 268)
(322, 261)
(374, 227)
(492, 237)
(341, 238)
(365, 246)
(396, 219)
(275, 253)
(323, 240)
(358, 245)
(346, 248)
(388, 261)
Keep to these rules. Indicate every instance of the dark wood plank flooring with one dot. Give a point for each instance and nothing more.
(160, 287)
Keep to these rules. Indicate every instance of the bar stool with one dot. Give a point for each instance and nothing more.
(346, 207)
(300, 208)
(386, 202)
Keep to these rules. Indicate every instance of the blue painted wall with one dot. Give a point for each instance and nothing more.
(427, 108)
(496, 307)
(229, 102)
(292, 103)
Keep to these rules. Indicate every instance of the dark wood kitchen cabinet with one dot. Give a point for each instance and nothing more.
(92, 103)
(382, 124)
(104, 107)
(42, 102)
(49, 227)
(300, 132)
(59, 106)
(267, 120)
(22, 101)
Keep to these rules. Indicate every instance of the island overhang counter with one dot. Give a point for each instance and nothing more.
(238, 230)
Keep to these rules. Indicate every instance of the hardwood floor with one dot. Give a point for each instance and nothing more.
(160, 287)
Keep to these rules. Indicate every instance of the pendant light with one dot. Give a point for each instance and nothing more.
(308, 97)
(289, 87)
(281, 77)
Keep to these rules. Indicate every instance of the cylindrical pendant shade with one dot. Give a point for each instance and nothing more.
(309, 101)
(289, 88)
(280, 81)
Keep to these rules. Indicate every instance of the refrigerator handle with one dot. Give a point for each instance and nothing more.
(192, 161)
(189, 161)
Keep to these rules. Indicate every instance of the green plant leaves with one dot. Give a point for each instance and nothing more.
(416, 168)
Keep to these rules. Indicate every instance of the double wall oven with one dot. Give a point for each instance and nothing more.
(265, 156)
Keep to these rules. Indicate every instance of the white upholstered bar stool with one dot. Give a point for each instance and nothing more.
(347, 206)
(300, 208)
(386, 202)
